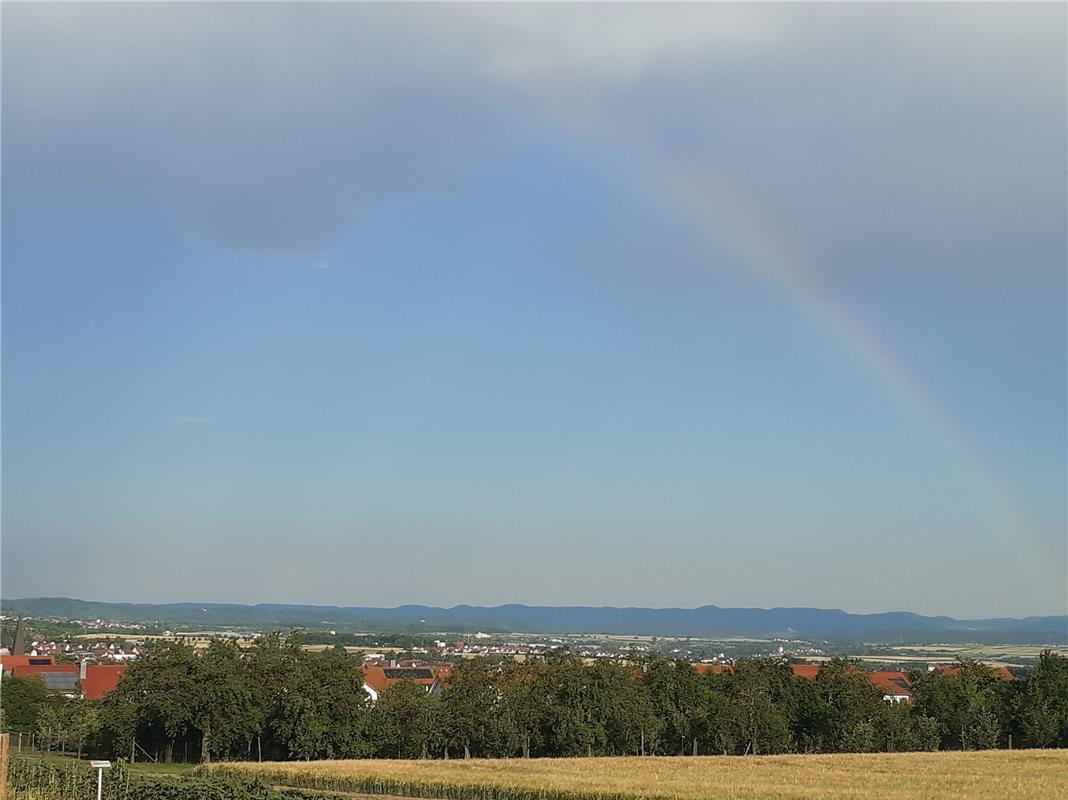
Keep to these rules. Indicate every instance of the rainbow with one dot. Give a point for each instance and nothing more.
(767, 258)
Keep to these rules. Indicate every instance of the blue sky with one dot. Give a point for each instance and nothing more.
(614, 305)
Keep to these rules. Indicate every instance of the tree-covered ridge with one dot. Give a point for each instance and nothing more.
(281, 702)
(706, 620)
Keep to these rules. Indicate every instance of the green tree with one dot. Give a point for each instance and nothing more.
(678, 697)
(969, 703)
(850, 708)
(272, 666)
(222, 704)
(1040, 704)
(624, 709)
(50, 726)
(901, 728)
(570, 722)
(407, 722)
(155, 699)
(760, 708)
(23, 699)
(518, 728)
(469, 704)
(171, 689)
(323, 711)
(83, 721)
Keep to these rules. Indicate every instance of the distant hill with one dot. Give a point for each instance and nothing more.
(817, 623)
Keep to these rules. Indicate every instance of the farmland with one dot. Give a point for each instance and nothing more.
(887, 776)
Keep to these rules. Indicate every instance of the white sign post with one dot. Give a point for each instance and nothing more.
(99, 766)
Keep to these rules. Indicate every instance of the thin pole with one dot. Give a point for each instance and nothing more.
(3, 765)
(99, 782)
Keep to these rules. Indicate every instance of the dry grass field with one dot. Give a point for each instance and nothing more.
(991, 775)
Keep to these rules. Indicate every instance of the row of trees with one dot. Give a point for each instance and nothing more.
(26, 705)
(280, 702)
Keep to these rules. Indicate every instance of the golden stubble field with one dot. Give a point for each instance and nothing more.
(990, 775)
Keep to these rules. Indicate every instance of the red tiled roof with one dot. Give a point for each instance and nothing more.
(381, 678)
(892, 682)
(101, 679)
(998, 672)
(8, 663)
(36, 669)
(715, 668)
(887, 681)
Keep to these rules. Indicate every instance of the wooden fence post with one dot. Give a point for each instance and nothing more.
(3, 765)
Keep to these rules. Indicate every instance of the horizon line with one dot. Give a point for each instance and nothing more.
(219, 603)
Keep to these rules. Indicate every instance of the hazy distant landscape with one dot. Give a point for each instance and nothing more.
(676, 622)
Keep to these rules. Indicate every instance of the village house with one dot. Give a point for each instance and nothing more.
(894, 685)
(377, 679)
(91, 681)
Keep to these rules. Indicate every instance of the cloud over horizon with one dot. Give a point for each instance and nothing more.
(276, 127)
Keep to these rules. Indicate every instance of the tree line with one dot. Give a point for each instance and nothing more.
(278, 701)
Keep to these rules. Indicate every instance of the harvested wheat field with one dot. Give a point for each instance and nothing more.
(887, 776)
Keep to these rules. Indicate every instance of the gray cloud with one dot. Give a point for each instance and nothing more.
(873, 139)
(269, 127)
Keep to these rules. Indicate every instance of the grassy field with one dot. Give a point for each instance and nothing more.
(138, 768)
(991, 775)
